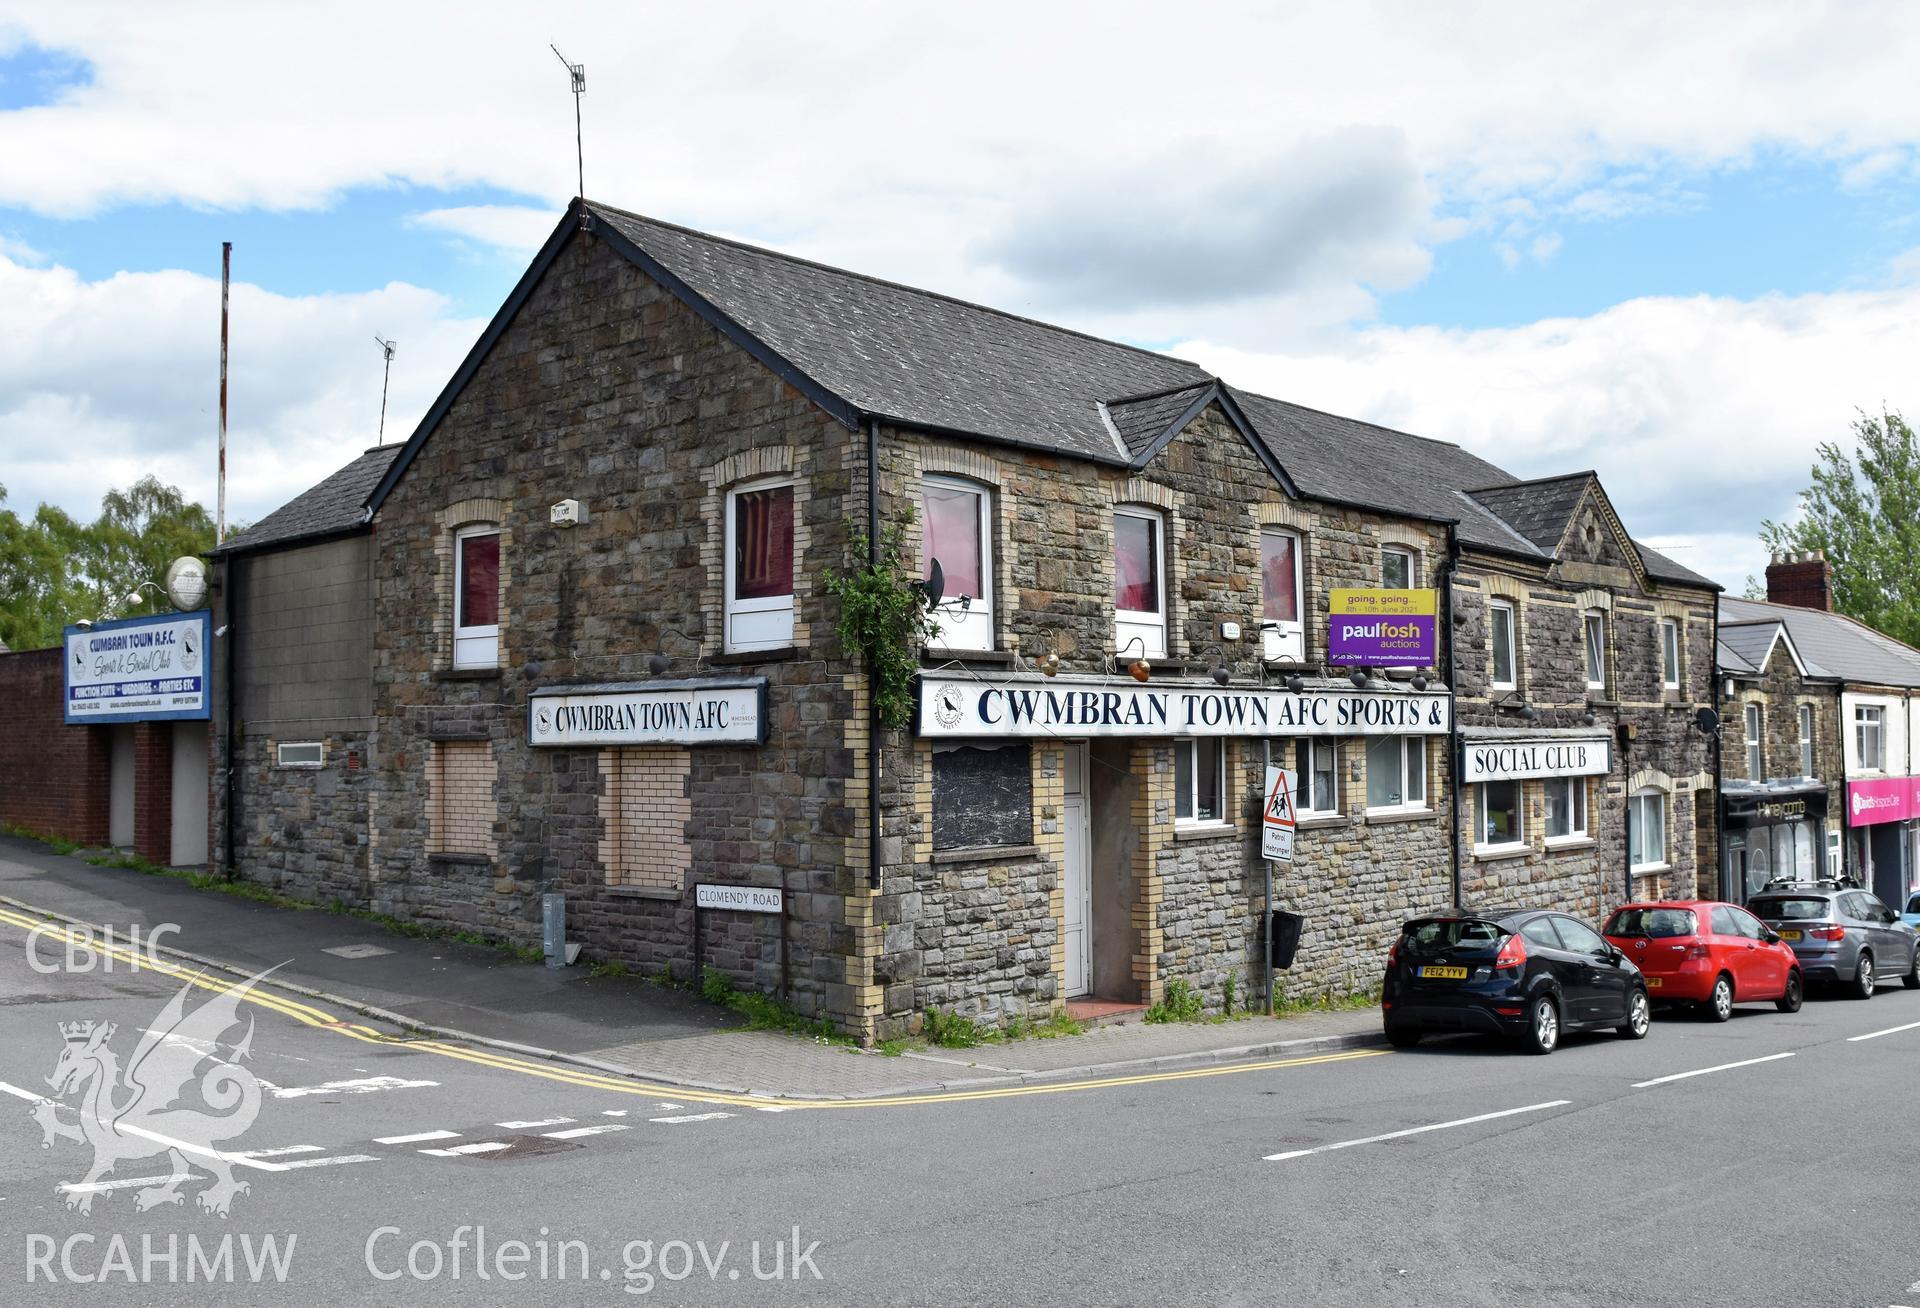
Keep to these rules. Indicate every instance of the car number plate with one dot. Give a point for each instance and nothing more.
(1653, 983)
(1789, 935)
(1434, 971)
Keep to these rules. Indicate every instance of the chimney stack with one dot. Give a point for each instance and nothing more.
(1804, 580)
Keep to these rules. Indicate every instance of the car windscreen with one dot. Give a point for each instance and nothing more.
(1654, 923)
(1913, 905)
(1790, 908)
(1432, 934)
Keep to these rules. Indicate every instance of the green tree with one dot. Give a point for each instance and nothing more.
(54, 570)
(1863, 511)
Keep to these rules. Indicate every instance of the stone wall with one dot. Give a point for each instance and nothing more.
(305, 831)
(1779, 692)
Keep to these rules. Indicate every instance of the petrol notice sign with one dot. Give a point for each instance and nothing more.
(1277, 817)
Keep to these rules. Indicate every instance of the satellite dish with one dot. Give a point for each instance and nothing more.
(934, 588)
(1706, 721)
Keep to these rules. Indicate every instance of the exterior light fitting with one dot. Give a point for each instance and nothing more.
(1419, 681)
(658, 663)
(1359, 678)
(1587, 719)
(1220, 674)
(1049, 664)
(1295, 684)
(1529, 713)
(1139, 670)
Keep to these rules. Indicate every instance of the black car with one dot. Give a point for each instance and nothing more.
(1528, 975)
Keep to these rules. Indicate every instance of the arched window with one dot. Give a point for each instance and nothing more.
(957, 530)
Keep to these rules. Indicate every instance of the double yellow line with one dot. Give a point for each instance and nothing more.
(309, 1015)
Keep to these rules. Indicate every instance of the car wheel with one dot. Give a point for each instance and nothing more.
(1912, 979)
(1543, 1026)
(1639, 1016)
(1720, 1006)
(1796, 992)
(1863, 978)
(1403, 1037)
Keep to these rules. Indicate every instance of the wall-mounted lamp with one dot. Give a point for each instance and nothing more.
(658, 662)
(1049, 664)
(1359, 678)
(1587, 719)
(1419, 681)
(1295, 684)
(1221, 675)
(1138, 668)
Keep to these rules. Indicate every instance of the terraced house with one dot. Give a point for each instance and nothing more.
(604, 657)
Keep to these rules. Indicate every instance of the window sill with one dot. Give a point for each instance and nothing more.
(1000, 658)
(1558, 844)
(1596, 698)
(986, 854)
(459, 860)
(1389, 816)
(1322, 822)
(1650, 869)
(644, 892)
(1204, 830)
(467, 674)
(1499, 853)
(747, 658)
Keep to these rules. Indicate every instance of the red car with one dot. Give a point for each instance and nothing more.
(1699, 951)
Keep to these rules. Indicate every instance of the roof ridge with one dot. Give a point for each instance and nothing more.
(1161, 394)
(1519, 482)
(1362, 422)
(883, 281)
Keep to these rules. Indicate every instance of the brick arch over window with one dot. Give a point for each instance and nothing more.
(1138, 492)
(985, 472)
(765, 461)
(481, 511)
(1512, 591)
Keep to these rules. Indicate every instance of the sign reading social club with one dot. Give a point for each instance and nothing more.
(708, 711)
(1069, 707)
(1524, 760)
(1382, 628)
(139, 669)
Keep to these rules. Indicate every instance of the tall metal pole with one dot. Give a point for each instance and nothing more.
(226, 273)
(386, 348)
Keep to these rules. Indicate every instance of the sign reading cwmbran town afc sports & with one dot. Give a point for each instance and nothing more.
(140, 669)
(1523, 760)
(1277, 818)
(741, 899)
(1071, 707)
(1383, 628)
(706, 711)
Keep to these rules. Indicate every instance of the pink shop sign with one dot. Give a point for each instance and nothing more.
(1894, 799)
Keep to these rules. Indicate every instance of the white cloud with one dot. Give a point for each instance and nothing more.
(519, 229)
(103, 382)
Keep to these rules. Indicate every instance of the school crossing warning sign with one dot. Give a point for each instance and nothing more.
(1277, 817)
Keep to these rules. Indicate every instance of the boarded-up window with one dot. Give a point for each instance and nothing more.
(645, 807)
(982, 795)
(460, 806)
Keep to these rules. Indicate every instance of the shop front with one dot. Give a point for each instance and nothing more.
(1772, 830)
(1881, 824)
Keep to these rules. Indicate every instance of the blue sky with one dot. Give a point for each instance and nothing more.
(1679, 247)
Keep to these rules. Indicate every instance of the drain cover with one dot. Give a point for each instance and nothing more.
(356, 951)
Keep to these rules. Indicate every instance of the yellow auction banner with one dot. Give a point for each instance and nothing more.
(1390, 627)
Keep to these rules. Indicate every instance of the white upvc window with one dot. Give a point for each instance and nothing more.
(1499, 816)
(1594, 625)
(1500, 635)
(476, 597)
(300, 753)
(1396, 568)
(759, 566)
(1647, 830)
(1139, 583)
(1756, 753)
(1200, 781)
(1316, 791)
(1670, 653)
(957, 530)
(1566, 809)
(1396, 773)
(1869, 737)
(1806, 740)
(1283, 628)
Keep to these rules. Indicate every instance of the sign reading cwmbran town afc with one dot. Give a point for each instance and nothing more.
(708, 711)
(1091, 706)
(1522, 760)
(139, 669)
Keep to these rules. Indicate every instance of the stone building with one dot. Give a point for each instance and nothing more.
(603, 658)
(1817, 740)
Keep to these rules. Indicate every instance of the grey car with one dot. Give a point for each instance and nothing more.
(1841, 934)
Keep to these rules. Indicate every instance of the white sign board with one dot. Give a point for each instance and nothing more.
(713, 711)
(1523, 760)
(139, 669)
(1277, 821)
(1069, 707)
(742, 899)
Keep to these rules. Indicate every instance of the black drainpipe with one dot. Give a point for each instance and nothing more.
(1451, 566)
(230, 870)
(873, 707)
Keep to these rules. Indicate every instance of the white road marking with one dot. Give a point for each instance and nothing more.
(770, 1108)
(362, 1086)
(613, 1112)
(333, 1160)
(665, 1107)
(416, 1137)
(127, 1128)
(1416, 1130)
(529, 1126)
(1723, 1067)
(579, 1131)
(97, 1187)
(692, 1117)
(1875, 1035)
(283, 1149)
(480, 1147)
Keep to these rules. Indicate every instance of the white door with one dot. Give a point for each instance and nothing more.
(120, 788)
(189, 794)
(1079, 887)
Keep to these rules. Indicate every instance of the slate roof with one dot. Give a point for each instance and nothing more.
(1142, 420)
(1538, 510)
(1751, 643)
(1728, 659)
(335, 505)
(1830, 644)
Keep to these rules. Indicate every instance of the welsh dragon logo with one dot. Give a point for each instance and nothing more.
(135, 1112)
